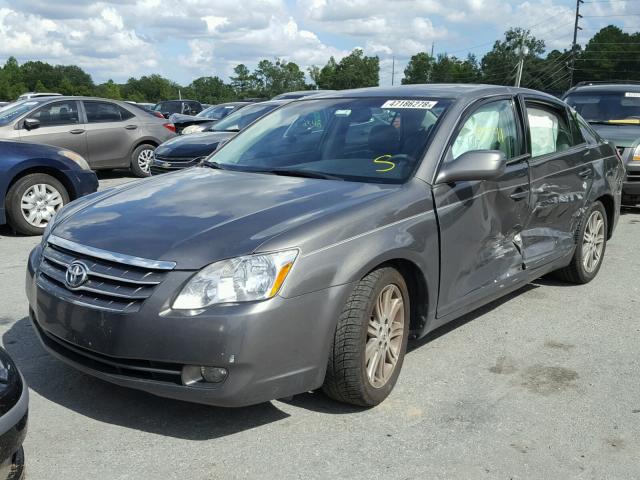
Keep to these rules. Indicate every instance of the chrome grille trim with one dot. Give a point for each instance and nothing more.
(111, 256)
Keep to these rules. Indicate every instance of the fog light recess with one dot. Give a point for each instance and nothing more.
(202, 375)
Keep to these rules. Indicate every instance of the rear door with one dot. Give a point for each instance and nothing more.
(111, 133)
(481, 221)
(60, 125)
(562, 172)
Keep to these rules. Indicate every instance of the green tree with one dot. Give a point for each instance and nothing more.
(278, 77)
(109, 89)
(210, 90)
(244, 83)
(419, 69)
(499, 65)
(354, 71)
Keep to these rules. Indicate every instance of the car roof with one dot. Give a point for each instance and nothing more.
(606, 87)
(442, 90)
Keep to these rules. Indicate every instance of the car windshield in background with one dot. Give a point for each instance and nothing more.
(10, 113)
(359, 139)
(243, 117)
(168, 107)
(607, 107)
(216, 112)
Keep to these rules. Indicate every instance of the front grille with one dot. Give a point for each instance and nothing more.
(113, 283)
(142, 369)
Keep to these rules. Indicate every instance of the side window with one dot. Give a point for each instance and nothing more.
(585, 129)
(125, 114)
(101, 112)
(491, 127)
(549, 131)
(57, 113)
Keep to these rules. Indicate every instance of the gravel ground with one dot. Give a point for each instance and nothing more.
(542, 384)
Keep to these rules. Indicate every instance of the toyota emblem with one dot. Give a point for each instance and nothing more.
(77, 274)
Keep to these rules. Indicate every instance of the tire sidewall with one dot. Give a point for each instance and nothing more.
(14, 197)
(374, 395)
(588, 276)
(135, 168)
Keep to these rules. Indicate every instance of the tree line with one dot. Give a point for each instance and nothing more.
(609, 54)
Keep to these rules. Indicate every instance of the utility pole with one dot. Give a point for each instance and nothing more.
(522, 52)
(393, 68)
(576, 27)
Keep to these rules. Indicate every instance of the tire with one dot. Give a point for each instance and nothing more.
(31, 189)
(347, 378)
(140, 166)
(579, 270)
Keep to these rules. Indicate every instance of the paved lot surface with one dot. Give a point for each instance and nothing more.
(543, 385)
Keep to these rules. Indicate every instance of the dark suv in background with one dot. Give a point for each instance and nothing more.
(613, 109)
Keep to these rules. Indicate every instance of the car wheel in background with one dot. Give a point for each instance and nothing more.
(141, 160)
(591, 245)
(33, 200)
(370, 340)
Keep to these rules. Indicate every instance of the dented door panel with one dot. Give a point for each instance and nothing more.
(480, 229)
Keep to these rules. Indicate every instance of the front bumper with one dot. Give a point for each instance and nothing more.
(271, 349)
(86, 182)
(166, 165)
(13, 430)
(631, 185)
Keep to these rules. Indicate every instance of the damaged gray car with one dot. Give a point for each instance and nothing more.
(306, 251)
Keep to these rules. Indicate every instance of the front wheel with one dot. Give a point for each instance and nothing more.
(370, 340)
(141, 160)
(590, 248)
(33, 201)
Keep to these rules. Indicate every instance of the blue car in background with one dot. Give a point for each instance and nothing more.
(38, 180)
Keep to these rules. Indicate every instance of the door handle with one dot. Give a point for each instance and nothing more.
(586, 173)
(131, 127)
(76, 131)
(519, 195)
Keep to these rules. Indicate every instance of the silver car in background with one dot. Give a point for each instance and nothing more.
(107, 133)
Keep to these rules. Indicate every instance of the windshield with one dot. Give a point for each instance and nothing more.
(168, 107)
(243, 117)
(359, 139)
(16, 110)
(216, 112)
(607, 107)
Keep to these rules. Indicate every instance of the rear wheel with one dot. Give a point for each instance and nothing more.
(370, 340)
(33, 201)
(141, 160)
(592, 243)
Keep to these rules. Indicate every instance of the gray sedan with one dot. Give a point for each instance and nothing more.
(307, 250)
(107, 133)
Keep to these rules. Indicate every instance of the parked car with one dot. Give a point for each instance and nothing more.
(14, 408)
(184, 107)
(304, 252)
(613, 110)
(30, 95)
(107, 133)
(36, 181)
(188, 150)
(300, 94)
(186, 124)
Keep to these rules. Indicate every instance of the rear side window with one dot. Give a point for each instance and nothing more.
(102, 112)
(491, 127)
(57, 113)
(549, 130)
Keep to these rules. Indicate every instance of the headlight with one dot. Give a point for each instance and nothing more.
(636, 154)
(192, 129)
(241, 279)
(74, 157)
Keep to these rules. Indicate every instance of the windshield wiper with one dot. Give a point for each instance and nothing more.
(599, 122)
(212, 164)
(302, 173)
(231, 130)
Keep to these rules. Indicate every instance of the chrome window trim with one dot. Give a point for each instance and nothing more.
(111, 256)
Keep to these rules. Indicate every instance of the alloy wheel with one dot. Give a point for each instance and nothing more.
(593, 241)
(39, 204)
(144, 160)
(384, 336)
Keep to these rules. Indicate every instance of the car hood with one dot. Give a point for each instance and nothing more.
(620, 135)
(200, 215)
(192, 145)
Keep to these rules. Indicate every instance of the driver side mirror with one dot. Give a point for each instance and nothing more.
(31, 123)
(474, 165)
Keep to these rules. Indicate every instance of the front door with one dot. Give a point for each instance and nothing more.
(60, 125)
(561, 175)
(481, 221)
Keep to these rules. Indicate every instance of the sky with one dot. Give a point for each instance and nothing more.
(186, 39)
